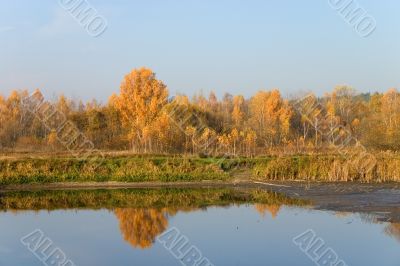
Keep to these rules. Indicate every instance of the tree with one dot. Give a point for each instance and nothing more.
(190, 133)
(238, 111)
(270, 116)
(206, 140)
(233, 139)
(141, 99)
(343, 99)
(285, 116)
(213, 102)
(391, 108)
(250, 142)
(52, 139)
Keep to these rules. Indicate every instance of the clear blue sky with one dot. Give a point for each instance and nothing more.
(224, 45)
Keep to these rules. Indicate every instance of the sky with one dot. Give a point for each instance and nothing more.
(230, 46)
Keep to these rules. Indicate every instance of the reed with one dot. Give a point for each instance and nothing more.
(382, 167)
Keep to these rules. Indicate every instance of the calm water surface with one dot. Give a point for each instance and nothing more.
(229, 228)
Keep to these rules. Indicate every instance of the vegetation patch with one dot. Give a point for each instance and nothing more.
(325, 168)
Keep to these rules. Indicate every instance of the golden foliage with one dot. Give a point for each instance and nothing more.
(142, 118)
(141, 99)
(273, 209)
(140, 227)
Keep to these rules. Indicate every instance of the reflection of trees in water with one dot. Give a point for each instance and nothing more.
(140, 227)
(273, 209)
(342, 214)
(393, 230)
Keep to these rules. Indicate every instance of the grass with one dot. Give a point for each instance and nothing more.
(383, 167)
(158, 168)
(125, 169)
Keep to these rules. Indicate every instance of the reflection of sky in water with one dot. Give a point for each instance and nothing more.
(245, 235)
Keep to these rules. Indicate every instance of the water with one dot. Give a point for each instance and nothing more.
(229, 227)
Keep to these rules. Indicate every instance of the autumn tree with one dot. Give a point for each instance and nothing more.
(270, 116)
(238, 113)
(143, 118)
(250, 142)
(234, 137)
(383, 120)
(140, 102)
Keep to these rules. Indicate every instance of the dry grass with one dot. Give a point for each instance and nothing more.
(385, 167)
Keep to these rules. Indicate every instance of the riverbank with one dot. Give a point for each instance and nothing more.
(126, 169)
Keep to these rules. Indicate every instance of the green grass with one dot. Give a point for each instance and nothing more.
(126, 169)
(329, 168)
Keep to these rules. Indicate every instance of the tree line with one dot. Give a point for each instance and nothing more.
(144, 118)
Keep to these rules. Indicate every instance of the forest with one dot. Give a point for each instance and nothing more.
(145, 119)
